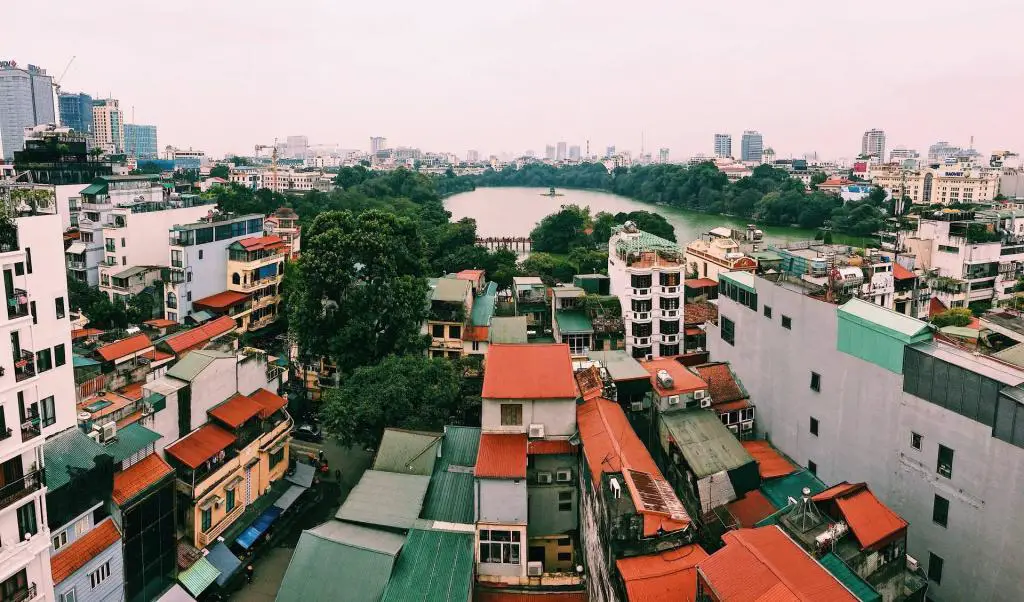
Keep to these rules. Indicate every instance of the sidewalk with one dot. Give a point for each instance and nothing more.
(267, 576)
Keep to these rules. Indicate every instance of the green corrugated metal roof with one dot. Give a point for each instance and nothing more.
(778, 491)
(67, 452)
(845, 575)
(878, 335)
(434, 566)
(886, 318)
(571, 320)
(408, 452)
(130, 440)
(134, 271)
(960, 331)
(766, 256)
(199, 576)
(335, 558)
(508, 329)
(645, 241)
(450, 495)
(483, 306)
(201, 316)
(707, 445)
(741, 279)
(97, 187)
(386, 499)
(195, 362)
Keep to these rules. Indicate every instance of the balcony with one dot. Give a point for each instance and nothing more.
(25, 367)
(22, 595)
(172, 275)
(76, 264)
(21, 488)
(17, 304)
(204, 539)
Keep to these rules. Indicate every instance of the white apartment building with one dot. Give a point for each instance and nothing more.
(860, 393)
(108, 125)
(37, 397)
(719, 253)
(646, 274)
(960, 183)
(198, 259)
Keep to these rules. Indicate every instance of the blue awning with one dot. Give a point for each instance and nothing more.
(226, 562)
(258, 527)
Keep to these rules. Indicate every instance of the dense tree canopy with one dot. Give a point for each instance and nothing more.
(563, 230)
(220, 171)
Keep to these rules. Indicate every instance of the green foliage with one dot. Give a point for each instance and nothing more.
(562, 231)
(877, 196)
(102, 313)
(978, 308)
(588, 261)
(817, 178)
(34, 198)
(957, 316)
(647, 221)
(980, 233)
(239, 161)
(412, 392)
(551, 268)
(220, 171)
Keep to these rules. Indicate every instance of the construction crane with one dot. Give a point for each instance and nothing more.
(56, 84)
(273, 159)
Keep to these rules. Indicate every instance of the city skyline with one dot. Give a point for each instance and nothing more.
(514, 100)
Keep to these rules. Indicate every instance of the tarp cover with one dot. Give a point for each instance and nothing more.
(258, 527)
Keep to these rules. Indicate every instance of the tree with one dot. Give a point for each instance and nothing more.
(220, 171)
(562, 231)
(817, 178)
(549, 267)
(412, 392)
(956, 316)
(877, 196)
(652, 223)
(359, 292)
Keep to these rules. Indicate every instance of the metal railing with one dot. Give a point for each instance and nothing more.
(26, 594)
(205, 538)
(16, 490)
(6, 433)
(17, 304)
(25, 367)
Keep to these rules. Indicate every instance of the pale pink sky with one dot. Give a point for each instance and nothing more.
(512, 76)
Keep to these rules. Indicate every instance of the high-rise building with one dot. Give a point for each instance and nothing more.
(108, 124)
(574, 152)
(26, 100)
(751, 146)
(873, 144)
(560, 152)
(140, 141)
(663, 155)
(609, 152)
(942, 150)
(298, 146)
(472, 156)
(549, 152)
(76, 111)
(900, 153)
(723, 145)
(377, 144)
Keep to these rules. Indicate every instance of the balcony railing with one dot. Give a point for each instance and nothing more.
(216, 530)
(17, 304)
(16, 490)
(172, 275)
(9, 238)
(74, 264)
(25, 594)
(25, 367)
(6, 433)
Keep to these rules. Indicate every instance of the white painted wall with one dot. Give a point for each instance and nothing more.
(557, 415)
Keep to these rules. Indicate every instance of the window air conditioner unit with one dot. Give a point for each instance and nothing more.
(534, 569)
(673, 400)
(544, 478)
(705, 402)
(536, 431)
(563, 476)
(701, 394)
(734, 428)
(637, 406)
(912, 564)
(109, 430)
(748, 426)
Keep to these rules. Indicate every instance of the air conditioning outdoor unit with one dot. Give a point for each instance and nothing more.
(563, 476)
(748, 426)
(705, 403)
(700, 394)
(95, 436)
(734, 428)
(673, 400)
(637, 406)
(912, 564)
(544, 478)
(534, 569)
(536, 431)
(109, 430)
(648, 357)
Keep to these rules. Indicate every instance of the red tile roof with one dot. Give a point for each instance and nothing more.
(160, 323)
(766, 565)
(476, 333)
(200, 335)
(750, 509)
(670, 576)
(236, 410)
(270, 402)
(611, 446)
(221, 300)
(156, 355)
(730, 406)
(548, 448)
(871, 521)
(722, 385)
(469, 274)
(82, 550)
(124, 347)
(528, 371)
(901, 273)
(683, 381)
(138, 477)
(501, 456)
(936, 307)
(699, 313)
(699, 283)
(201, 445)
(770, 462)
(258, 243)
(132, 391)
(81, 333)
(482, 595)
(589, 383)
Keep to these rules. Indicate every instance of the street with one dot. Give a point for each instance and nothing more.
(269, 569)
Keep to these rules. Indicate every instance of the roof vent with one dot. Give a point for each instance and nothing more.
(665, 380)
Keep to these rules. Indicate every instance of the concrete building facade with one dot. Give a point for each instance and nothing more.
(872, 144)
(723, 146)
(26, 100)
(140, 141)
(108, 125)
(76, 111)
(751, 147)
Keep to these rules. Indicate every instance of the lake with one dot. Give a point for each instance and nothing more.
(515, 212)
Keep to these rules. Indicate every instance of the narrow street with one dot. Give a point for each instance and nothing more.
(269, 569)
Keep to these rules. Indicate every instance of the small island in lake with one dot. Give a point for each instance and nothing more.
(551, 192)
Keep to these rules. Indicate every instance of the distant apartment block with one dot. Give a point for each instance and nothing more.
(76, 111)
(140, 141)
(751, 146)
(27, 98)
(723, 146)
(108, 125)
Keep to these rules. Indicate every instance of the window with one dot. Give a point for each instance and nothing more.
(454, 332)
(172, 301)
(768, 311)
(44, 360)
(105, 279)
(99, 575)
(27, 520)
(188, 295)
(499, 547)
(787, 322)
(81, 527)
(28, 260)
(476, 345)
(944, 466)
(814, 426)
(940, 510)
(207, 519)
(812, 467)
(59, 303)
(122, 243)
(60, 540)
(565, 557)
(200, 253)
(58, 355)
(565, 501)
(935, 568)
(915, 440)
(511, 414)
(437, 331)
(32, 310)
(640, 329)
(176, 258)
(230, 495)
(815, 382)
(15, 587)
(49, 413)
(728, 331)
(68, 596)
(188, 277)
(276, 457)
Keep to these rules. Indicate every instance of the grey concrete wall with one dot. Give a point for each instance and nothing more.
(501, 501)
(544, 516)
(865, 421)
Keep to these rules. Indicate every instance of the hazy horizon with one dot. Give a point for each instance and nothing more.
(468, 75)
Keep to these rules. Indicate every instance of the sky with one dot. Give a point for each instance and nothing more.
(453, 75)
